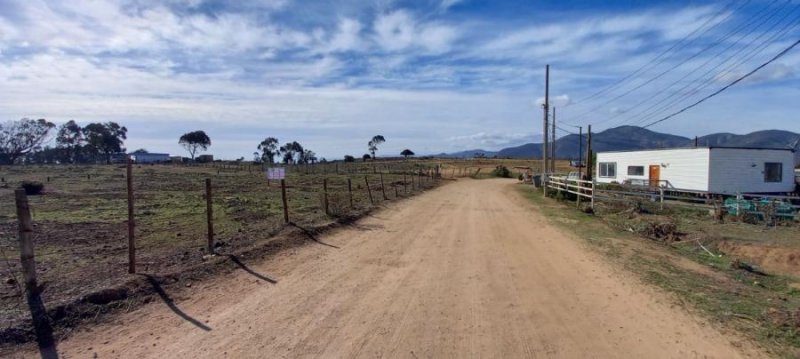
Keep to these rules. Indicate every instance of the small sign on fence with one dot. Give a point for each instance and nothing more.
(276, 173)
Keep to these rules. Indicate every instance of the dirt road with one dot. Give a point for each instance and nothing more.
(467, 270)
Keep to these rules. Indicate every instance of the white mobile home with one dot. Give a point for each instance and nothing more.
(723, 170)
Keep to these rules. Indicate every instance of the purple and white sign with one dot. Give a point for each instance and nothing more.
(276, 173)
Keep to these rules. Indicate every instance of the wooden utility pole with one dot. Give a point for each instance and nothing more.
(131, 223)
(553, 143)
(41, 322)
(589, 161)
(210, 216)
(285, 203)
(546, 108)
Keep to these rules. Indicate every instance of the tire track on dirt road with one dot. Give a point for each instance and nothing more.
(470, 269)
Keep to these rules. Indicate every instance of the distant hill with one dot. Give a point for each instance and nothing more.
(637, 138)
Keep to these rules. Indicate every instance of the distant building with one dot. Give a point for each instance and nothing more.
(150, 157)
(176, 159)
(205, 158)
(722, 170)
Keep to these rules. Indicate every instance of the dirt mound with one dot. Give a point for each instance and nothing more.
(771, 259)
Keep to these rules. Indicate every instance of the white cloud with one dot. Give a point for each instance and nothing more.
(491, 140)
(347, 38)
(557, 101)
(396, 31)
(445, 5)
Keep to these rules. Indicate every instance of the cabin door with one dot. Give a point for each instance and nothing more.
(655, 175)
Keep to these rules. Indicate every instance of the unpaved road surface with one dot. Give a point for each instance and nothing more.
(468, 270)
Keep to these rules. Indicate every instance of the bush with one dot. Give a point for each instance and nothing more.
(348, 158)
(32, 188)
(501, 171)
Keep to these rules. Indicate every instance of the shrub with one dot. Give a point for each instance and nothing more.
(32, 188)
(348, 158)
(501, 171)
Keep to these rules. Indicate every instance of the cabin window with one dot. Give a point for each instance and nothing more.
(608, 169)
(635, 170)
(773, 172)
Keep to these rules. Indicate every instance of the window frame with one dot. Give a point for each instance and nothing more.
(639, 173)
(779, 172)
(600, 169)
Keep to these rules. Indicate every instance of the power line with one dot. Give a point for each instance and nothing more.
(713, 44)
(644, 114)
(660, 57)
(779, 55)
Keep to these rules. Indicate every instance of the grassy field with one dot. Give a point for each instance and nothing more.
(762, 307)
(81, 219)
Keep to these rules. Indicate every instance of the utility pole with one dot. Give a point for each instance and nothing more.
(553, 143)
(589, 161)
(546, 107)
(580, 152)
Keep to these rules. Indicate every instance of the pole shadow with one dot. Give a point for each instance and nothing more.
(171, 304)
(247, 269)
(312, 235)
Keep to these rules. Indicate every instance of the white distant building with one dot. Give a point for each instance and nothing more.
(150, 157)
(723, 170)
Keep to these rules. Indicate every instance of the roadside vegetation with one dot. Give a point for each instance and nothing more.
(700, 262)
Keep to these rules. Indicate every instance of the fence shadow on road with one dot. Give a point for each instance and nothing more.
(171, 303)
(312, 235)
(247, 269)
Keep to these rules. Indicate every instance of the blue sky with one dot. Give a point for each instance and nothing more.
(430, 75)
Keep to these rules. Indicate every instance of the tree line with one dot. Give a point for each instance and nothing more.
(24, 140)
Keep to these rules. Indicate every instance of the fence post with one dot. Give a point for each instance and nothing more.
(369, 191)
(594, 186)
(210, 216)
(579, 190)
(405, 184)
(661, 194)
(325, 194)
(350, 191)
(283, 198)
(41, 322)
(131, 223)
(383, 188)
(395, 191)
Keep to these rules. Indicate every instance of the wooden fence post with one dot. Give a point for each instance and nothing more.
(405, 184)
(350, 191)
(325, 194)
(210, 216)
(369, 191)
(395, 191)
(383, 188)
(131, 223)
(41, 322)
(283, 198)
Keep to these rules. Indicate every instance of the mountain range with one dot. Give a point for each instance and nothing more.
(636, 138)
